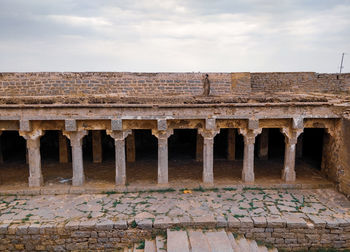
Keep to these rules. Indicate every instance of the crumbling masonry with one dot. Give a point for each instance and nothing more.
(118, 103)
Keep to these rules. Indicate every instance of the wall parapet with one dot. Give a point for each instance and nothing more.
(127, 84)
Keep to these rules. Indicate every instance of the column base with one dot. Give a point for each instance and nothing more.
(288, 176)
(120, 181)
(35, 181)
(78, 181)
(208, 178)
(248, 177)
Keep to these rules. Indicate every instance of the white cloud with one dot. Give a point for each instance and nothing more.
(173, 35)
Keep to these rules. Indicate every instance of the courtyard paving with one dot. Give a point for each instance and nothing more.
(178, 206)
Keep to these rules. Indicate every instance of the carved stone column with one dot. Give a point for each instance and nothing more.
(231, 144)
(119, 145)
(248, 159)
(291, 139)
(76, 142)
(263, 151)
(162, 136)
(199, 147)
(130, 147)
(63, 148)
(34, 158)
(208, 154)
(96, 146)
(1, 156)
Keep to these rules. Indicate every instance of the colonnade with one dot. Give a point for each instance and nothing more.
(205, 151)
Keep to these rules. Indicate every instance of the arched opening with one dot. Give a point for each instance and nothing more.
(228, 155)
(143, 168)
(14, 171)
(269, 153)
(182, 157)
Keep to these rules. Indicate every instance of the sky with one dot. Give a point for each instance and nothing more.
(174, 35)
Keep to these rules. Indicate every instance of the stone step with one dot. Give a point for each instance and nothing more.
(161, 244)
(218, 241)
(199, 241)
(150, 246)
(177, 241)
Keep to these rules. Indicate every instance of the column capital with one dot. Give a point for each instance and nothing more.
(118, 134)
(291, 135)
(162, 134)
(32, 137)
(75, 137)
(208, 133)
(249, 134)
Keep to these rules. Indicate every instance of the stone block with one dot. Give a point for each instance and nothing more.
(210, 123)
(259, 221)
(104, 225)
(34, 228)
(275, 222)
(162, 124)
(253, 124)
(144, 224)
(233, 222)
(246, 222)
(296, 223)
(70, 125)
(116, 124)
(163, 222)
(24, 125)
(121, 224)
(4, 227)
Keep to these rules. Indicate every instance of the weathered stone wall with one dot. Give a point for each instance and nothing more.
(155, 84)
(291, 234)
(344, 175)
(300, 82)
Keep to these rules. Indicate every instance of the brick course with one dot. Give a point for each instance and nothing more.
(167, 84)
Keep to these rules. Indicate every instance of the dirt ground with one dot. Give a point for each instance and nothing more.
(182, 173)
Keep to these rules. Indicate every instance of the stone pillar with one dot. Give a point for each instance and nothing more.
(162, 136)
(1, 156)
(263, 151)
(208, 154)
(231, 144)
(130, 147)
(248, 156)
(76, 142)
(34, 158)
(63, 148)
(299, 150)
(291, 138)
(119, 145)
(199, 147)
(96, 146)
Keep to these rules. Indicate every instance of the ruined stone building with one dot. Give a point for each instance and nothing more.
(103, 130)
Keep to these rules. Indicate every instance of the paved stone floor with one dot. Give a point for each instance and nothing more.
(142, 174)
(197, 205)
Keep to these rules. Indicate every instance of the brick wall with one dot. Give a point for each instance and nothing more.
(155, 84)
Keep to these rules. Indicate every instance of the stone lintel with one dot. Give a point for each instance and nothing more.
(70, 125)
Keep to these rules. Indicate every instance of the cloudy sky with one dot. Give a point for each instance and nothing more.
(174, 35)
